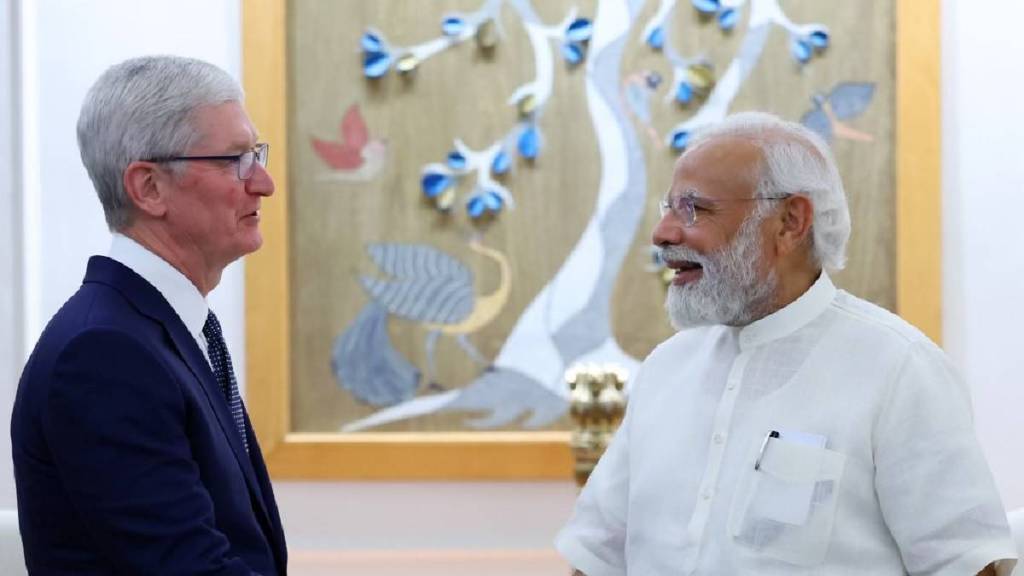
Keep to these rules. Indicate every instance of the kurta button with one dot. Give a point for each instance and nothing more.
(706, 495)
(719, 438)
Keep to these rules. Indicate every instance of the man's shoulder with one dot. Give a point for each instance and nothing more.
(94, 311)
(95, 332)
(870, 320)
(94, 306)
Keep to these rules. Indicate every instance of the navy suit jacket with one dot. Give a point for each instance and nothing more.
(126, 458)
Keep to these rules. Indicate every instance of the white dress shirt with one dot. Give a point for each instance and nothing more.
(873, 467)
(178, 290)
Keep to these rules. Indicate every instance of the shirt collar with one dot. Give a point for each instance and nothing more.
(179, 291)
(792, 317)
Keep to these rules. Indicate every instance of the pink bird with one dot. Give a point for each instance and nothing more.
(355, 156)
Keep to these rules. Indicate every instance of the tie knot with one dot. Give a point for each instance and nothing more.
(211, 329)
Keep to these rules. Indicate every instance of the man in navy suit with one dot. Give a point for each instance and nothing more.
(133, 453)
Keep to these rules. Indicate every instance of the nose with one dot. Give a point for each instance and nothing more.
(260, 183)
(668, 231)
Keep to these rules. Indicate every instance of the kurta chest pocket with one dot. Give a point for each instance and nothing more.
(786, 508)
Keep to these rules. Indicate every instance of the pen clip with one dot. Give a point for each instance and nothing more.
(764, 445)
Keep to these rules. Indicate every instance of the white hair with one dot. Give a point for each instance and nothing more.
(795, 160)
(142, 109)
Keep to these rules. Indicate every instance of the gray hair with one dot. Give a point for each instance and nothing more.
(795, 160)
(141, 109)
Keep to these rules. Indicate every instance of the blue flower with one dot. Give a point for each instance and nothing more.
(501, 163)
(679, 140)
(684, 93)
(487, 201)
(456, 161)
(800, 49)
(453, 25)
(475, 207)
(493, 201)
(376, 64)
(376, 55)
(372, 42)
(656, 39)
(707, 6)
(529, 143)
(434, 183)
(818, 38)
(573, 53)
(579, 30)
(728, 18)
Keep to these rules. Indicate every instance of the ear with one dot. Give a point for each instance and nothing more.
(797, 216)
(146, 186)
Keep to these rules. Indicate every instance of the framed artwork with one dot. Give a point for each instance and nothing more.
(466, 189)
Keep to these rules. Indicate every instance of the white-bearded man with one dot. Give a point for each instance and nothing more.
(788, 427)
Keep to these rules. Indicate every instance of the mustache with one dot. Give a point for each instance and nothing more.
(677, 253)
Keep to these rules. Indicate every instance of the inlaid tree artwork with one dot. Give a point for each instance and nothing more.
(455, 293)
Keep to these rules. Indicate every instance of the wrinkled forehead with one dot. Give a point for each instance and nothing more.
(720, 167)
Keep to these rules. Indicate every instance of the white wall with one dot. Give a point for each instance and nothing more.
(983, 208)
(65, 44)
(10, 250)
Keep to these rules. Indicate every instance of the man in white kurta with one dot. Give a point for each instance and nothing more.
(788, 427)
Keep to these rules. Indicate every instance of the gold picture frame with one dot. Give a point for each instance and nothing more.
(529, 455)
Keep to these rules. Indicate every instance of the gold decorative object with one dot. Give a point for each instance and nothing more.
(445, 200)
(597, 404)
(407, 63)
(702, 77)
(526, 105)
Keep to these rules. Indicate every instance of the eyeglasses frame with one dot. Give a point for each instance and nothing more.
(260, 152)
(687, 212)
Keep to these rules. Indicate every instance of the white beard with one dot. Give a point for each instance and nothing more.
(729, 290)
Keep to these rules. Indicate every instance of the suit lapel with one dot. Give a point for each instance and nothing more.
(150, 302)
(193, 356)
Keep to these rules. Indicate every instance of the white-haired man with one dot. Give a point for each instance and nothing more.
(788, 427)
(133, 452)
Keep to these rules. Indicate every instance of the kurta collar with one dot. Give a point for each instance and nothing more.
(791, 318)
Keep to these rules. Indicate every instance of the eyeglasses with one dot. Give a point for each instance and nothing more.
(689, 205)
(247, 161)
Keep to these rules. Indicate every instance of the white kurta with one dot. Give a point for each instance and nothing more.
(871, 465)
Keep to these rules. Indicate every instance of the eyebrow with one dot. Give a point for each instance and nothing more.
(688, 191)
(243, 147)
(246, 146)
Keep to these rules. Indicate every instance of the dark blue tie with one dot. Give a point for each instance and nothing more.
(220, 360)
